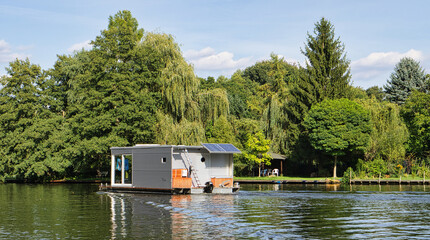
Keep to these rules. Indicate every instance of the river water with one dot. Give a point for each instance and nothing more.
(79, 211)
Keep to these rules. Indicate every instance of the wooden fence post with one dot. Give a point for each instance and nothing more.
(379, 180)
(350, 176)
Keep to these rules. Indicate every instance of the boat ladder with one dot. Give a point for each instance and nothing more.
(193, 171)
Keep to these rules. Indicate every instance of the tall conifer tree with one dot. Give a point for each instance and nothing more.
(327, 73)
(407, 76)
(326, 76)
(327, 67)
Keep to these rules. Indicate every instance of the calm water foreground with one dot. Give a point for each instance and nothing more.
(72, 211)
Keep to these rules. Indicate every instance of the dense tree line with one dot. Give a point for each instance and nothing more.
(135, 87)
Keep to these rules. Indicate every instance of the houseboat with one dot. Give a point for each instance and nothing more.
(175, 169)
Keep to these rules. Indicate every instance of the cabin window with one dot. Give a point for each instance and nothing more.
(163, 160)
(203, 159)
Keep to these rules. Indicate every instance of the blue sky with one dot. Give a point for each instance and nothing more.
(219, 37)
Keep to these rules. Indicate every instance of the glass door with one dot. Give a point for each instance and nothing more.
(122, 169)
(128, 161)
(118, 169)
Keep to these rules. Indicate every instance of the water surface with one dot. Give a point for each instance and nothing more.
(72, 211)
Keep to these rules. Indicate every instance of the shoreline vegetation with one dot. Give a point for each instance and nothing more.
(257, 180)
(135, 87)
(328, 179)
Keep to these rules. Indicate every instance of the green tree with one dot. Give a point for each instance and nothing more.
(109, 102)
(29, 130)
(376, 92)
(259, 72)
(407, 76)
(356, 93)
(213, 104)
(169, 131)
(389, 133)
(337, 127)
(256, 150)
(174, 77)
(241, 93)
(326, 76)
(416, 114)
(327, 67)
(220, 132)
(278, 128)
(263, 72)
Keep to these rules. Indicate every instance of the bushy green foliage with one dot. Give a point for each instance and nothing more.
(389, 133)
(376, 92)
(277, 126)
(220, 131)
(373, 168)
(348, 175)
(168, 131)
(109, 105)
(213, 104)
(257, 148)
(416, 114)
(337, 127)
(30, 134)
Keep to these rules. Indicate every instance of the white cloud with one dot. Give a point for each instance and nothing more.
(208, 59)
(386, 59)
(292, 61)
(7, 54)
(4, 47)
(80, 46)
(376, 67)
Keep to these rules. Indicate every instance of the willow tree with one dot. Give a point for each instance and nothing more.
(169, 131)
(278, 128)
(178, 114)
(240, 92)
(177, 81)
(389, 132)
(183, 106)
(213, 104)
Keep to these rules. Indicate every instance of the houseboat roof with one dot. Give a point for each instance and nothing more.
(210, 147)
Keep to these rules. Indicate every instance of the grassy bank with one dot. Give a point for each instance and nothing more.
(285, 178)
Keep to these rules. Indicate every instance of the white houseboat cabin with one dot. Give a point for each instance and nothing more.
(173, 168)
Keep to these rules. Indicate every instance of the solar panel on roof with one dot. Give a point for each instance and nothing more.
(220, 148)
(229, 148)
(212, 147)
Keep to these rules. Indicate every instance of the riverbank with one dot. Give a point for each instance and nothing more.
(83, 180)
(298, 180)
(273, 180)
